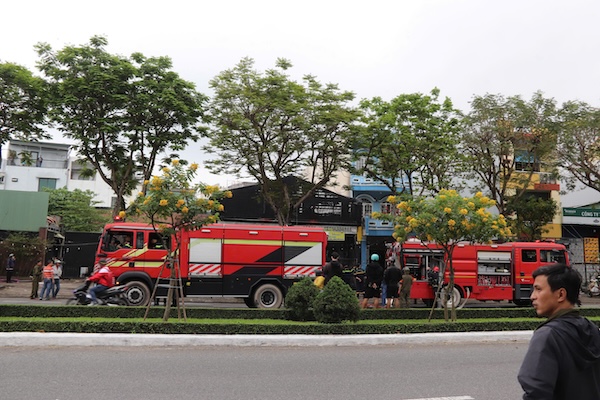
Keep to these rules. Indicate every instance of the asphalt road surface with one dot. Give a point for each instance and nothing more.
(451, 372)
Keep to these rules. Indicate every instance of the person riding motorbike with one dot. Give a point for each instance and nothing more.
(103, 279)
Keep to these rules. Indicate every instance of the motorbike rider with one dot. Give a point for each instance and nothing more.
(104, 279)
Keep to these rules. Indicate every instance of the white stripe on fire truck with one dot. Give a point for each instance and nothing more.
(205, 269)
(297, 271)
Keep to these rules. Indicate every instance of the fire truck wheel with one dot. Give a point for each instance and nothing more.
(268, 296)
(428, 302)
(454, 297)
(249, 302)
(522, 302)
(138, 293)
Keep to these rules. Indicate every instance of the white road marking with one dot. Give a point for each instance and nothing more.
(446, 398)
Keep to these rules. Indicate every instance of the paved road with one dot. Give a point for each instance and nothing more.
(399, 372)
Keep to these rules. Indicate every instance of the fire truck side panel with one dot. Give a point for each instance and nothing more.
(304, 253)
(204, 266)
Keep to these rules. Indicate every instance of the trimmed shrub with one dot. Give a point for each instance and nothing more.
(299, 300)
(337, 302)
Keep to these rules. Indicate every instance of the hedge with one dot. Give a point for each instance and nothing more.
(28, 318)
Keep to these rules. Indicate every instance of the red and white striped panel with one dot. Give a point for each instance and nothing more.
(213, 270)
(299, 272)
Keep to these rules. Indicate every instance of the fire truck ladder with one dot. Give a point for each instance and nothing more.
(174, 288)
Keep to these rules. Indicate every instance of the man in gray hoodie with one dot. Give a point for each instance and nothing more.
(563, 359)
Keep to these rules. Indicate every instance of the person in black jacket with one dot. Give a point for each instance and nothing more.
(373, 278)
(563, 359)
(392, 276)
(333, 268)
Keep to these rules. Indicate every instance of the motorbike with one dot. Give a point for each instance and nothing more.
(114, 296)
(593, 289)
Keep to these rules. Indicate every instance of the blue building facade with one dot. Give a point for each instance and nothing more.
(376, 235)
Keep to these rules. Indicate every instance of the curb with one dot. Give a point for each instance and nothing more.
(29, 339)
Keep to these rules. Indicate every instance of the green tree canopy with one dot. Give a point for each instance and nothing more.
(269, 127)
(579, 144)
(530, 214)
(121, 111)
(507, 140)
(412, 139)
(76, 209)
(23, 105)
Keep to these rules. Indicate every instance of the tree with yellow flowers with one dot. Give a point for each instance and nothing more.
(173, 203)
(446, 220)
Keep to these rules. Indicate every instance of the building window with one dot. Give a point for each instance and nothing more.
(49, 183)
(367, 209)
(386, 208)
(526, 161)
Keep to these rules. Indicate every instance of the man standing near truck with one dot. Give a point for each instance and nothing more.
(563, 359)
(10, 267)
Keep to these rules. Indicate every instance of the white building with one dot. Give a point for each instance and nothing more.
(32, 166)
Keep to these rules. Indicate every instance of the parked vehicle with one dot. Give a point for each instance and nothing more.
(481, 271)
(255, 262)
(114, 296)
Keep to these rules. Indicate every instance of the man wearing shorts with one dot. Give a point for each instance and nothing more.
(373, 278)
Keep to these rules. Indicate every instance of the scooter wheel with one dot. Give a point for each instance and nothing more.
(73, 301)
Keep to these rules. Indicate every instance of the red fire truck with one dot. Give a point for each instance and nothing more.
(255, 262)
(482, 272)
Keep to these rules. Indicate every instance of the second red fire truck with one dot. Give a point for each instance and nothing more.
(481, 271)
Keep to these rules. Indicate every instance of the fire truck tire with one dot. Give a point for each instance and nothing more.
(249, 302)
(138, 293)
(454, 297)
(522, 302)
(268, 296)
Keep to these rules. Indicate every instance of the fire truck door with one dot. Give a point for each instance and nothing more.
(204, 267)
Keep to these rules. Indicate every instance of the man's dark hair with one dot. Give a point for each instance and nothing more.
(562, 276)
(335, 255)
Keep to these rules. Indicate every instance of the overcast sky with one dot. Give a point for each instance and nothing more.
(374, 48)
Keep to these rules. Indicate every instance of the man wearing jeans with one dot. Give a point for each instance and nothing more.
(104, 279)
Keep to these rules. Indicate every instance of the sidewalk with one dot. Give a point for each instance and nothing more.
(41, 339)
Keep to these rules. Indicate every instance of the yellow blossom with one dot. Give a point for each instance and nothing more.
(451, 222)
(220, 207)
(180, 203)
(122, 214)
(175, 162)
(146, 182)
(391, 199)
(185, 210)
(194, 166)
(163, 202)
(228, 194)
(447, 210)
(166, 170)
(464, 211)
